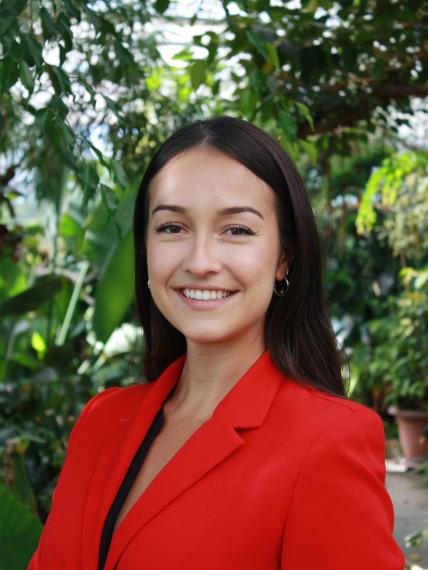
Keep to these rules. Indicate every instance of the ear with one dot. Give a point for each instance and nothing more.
(282, 266)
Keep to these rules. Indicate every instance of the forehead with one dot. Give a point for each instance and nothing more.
(206, 175)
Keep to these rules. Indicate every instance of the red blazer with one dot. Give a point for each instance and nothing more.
(279, 477)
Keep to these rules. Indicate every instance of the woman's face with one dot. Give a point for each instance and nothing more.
(192, 244)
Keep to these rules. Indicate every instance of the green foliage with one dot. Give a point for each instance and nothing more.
(33, 298)
(85, 99)
(415, 539)
(344, 61)
(115, 289)
(395, 362)
(19, 532)
(400, 186)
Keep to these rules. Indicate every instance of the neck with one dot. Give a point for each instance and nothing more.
(209, 373)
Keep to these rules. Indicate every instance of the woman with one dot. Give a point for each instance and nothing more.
(242, 450)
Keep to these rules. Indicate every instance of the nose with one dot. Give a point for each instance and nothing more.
(201, 257)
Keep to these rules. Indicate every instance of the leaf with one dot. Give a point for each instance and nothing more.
(273, 54)
(198, 73)
(59, 79)
(154, 80)
(257, 42)
(311, 6)
(72, 10)
(22, 486)
(161, 6)
(34, 297)
(184, 54)
(103, 160)
(288, 124)
(89, 179)
(32, 50)
(9, 74)
(9, 12)
(119, 173)
(304, 111)
(26, 76)
(248, 102)
(19, 532)
(124, 56)
(311, 150)
(38, 342)
(15, 51)
(48, 26)
(69, 227)
(59, 106)
(115, 289)
(109, 197)
(63, 24)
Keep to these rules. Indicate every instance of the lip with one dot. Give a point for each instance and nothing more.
(201, 288)
(200, 305)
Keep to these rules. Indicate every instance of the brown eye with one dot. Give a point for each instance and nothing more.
(163, 228)
(242, 229)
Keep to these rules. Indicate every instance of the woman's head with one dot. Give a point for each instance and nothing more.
(206, 167)
(211, 245)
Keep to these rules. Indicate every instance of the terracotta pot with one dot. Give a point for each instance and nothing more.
(411, 424)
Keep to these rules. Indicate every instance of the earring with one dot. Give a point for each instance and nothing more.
(281, 291)
(148, 283)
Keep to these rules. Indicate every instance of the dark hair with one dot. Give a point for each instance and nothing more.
(298, 332)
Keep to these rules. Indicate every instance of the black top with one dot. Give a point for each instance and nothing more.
(126, 486)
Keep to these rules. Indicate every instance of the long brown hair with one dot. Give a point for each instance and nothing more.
(298, 332)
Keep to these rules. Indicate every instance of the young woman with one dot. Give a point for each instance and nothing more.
(241, 451)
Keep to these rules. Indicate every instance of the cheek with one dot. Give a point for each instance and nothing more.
(160, 260)
(256, 264)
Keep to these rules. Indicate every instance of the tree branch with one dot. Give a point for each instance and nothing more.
(345, 115)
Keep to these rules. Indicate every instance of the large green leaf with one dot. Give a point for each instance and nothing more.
(19, 532)
(115, 289)
(34, 297)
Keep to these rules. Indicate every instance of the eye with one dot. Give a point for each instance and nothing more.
(242, 230)
(246, 231)
(165, 226)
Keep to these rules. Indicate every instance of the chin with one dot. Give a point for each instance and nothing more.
(210, 337)
(205, 338)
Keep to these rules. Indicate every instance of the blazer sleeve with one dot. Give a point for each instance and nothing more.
(34, 563)
(341, 515)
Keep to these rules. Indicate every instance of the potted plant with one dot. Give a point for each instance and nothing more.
(400, 355)
(390, 365)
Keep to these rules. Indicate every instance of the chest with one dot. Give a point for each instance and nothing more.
(231, 517)
(165, 445)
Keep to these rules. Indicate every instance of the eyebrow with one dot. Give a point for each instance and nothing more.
(223, 211)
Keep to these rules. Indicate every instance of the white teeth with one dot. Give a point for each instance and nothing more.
(205, 295)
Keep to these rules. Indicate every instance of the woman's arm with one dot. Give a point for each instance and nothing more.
(341, 516)
(34, 563)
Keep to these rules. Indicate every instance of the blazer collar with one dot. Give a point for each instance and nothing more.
(245, 406)
(248, 401)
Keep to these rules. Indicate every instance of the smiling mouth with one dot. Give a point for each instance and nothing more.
(202, 296)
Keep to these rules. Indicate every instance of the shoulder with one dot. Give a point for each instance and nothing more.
(330, 435)
(341, 472)
(325, 407)
(109, 406)
(312, 414)
(118, 397)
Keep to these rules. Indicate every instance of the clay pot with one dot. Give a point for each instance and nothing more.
(411, 424)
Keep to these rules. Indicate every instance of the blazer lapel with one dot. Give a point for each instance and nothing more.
(113, 459)
(245, 406)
